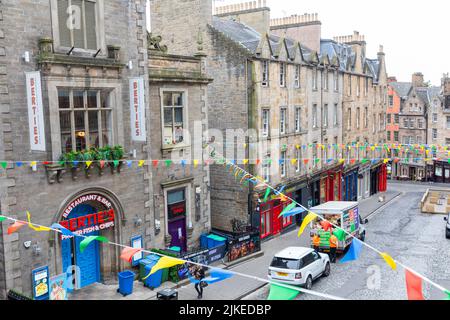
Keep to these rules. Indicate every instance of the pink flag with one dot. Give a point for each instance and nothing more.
(16, 226)
(128, 253)
(413, 286)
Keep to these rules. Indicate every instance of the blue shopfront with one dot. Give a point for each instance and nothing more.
(89, 214)
(350, 187)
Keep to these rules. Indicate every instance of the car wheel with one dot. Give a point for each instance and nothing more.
(327, 271)
(447, 234)
(308, 284)
(363, 237)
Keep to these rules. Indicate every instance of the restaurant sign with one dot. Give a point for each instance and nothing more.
(35, 111)
(138, 129)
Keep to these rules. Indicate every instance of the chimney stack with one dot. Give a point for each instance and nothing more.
(418, 80)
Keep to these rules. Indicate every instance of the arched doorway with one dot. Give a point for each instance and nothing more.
(93, 212)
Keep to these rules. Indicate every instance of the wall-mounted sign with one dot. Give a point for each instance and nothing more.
(176, 210)
(86, 198)
(137, 110)
(89, 223)
(35, 111)
(40, 283)
(58, 287)
(136, 242)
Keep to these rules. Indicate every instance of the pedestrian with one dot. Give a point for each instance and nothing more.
(199, 274)
(333, 248)
(316, 241)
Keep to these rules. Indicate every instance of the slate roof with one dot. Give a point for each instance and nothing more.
(423, 94)
(401, 88)
(343, 52)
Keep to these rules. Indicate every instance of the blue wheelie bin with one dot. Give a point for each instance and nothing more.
(155, 280)
(126, 281)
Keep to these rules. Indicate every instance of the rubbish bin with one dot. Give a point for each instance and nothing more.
(142, 265)
(126, 281)
(167, 294)
(154, 280)
(165, 275)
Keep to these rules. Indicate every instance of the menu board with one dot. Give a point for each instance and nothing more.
(351, 218)
(40, 281)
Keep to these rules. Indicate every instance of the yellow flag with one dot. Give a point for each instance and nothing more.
(32, 164)
(245, 161)
(341, 160)
(195, 163)
(308, 219)
(164, 263)
(294, 161)
(88, 163)
(297, 146)
(389, 261)
(141, 163)
(38, 229)
(386, 161)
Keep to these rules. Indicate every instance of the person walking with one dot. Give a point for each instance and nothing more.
(316, 242)
(333, 248)
(199, 274)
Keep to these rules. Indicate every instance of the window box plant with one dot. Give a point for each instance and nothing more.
(72, 161)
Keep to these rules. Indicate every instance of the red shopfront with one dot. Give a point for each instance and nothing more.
(382, 179)
(270, 223)
(331, 186)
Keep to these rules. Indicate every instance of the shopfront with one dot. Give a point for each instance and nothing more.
(91, 213)
(331, 186)
(350, 185)
(364, 182)
(378, 179)
(441, 172)
(270, 222)
(176, 217)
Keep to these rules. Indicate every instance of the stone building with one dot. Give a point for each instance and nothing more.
(75, 76)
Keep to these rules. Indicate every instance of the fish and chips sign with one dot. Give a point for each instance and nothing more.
(91, 222)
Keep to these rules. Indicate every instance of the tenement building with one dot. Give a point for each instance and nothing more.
(88, 145)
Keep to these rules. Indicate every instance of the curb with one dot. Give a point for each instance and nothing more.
(369, 216)
(251, 291)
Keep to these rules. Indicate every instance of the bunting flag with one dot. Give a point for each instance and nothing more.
(102, 164)
(340, 234)
(266, 196)
(294, 212)
(116, 163)
(128, 254)
(308, 219)
(129, 163)
(245, 161)
(216, 276)
(168, 163)
(19, 164)
(64, 231)
(326, 225)
(389, 261)
(183, 163)
(38, 229)
(141, 163)
(448, 295)
(15, 227)
(155, 163)
(353, 252)
(164, 263)
(88, 164)
(195, 163)
(282, 293)
(87, 241)
(287, 209)
(4, 164)
(2, 219)
(413, 286)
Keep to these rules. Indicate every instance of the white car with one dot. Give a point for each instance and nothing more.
(299, 266)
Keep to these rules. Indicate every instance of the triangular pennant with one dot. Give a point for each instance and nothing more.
(340, 234)
(266, 196)
(129, 163)
(116, 163)
(195, 163)
(19, 164)
(128, 254)
(168, 163)
(287, 209)
(102, 163)
(164, 263)
(305, 161)
(64, 231)
(389, 260)
(2, 219)
(448, 295)
(155, 163)
(141, 163)
(15, 227)
(38, 229)
(353, 252)
(4, 164)
(183, 163)
(278, 292)
(88, 240)
(88, 164)
(308, 219)
(413, 286)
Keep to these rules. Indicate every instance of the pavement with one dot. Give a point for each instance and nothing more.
(237, 287)
(415, 239)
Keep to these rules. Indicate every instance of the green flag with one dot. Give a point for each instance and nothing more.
(88, 240)
(168, 163)
(4, 164)
(266, 196)
(287, 209)
(2, 219)
(448, 295)
(340, 234)
(116, 163)
(352, 227)
(282, 293)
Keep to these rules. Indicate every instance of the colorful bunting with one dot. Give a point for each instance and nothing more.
(15, 227)
(282, 293)
(64, 231)
(353, 252)
(266, 196)
(195, 163)
(155, 163)
(164, 263)
(294, 212)
(38, 229)
(87, 241)
(448, 295)
(129, 163)
(128, 254)
(116, 163)
(168, 163)
(308, 219)
(389, 260)
(3, 164)
(88, 164)
(413, 286)
(340, 234)
(141, 163)
(287, 209)
(2, 219)
(19, 164)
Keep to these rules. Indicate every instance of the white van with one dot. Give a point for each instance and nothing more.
(299, 266)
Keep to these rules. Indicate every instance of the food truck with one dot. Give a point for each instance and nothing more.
(342, 214)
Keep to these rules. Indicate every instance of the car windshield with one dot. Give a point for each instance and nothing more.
(293, 264)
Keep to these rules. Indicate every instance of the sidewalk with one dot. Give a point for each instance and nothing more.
(232, 289)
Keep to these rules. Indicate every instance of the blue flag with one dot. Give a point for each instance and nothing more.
(64, 231)
(354, 251)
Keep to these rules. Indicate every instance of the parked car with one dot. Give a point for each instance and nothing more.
(447, 228)
(299, 266)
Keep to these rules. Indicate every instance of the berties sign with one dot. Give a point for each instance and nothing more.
(35, 111)
(138, 129)
(91, 222)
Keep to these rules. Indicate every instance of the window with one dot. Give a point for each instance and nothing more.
(325, 115)
(391, 101)
(349, 84)
(447, 141)
(78, 24)
(299, 160)
(435, 117)
(411, 123)
(266, 171)
(366, 117)
(434, 134)
(325, 80)
(298, 119)
(314, 116)
(335, 115)
(265, 122)
(297, 77)
(357, 117)
(265, 73)
(396, 118)
(349, 121)
(380, 122)
(282, 74)
(388, 135)
(448, 122)
(419, 140)
(405, 123)
(396, 138)
(176, 204)
(374, 123)
(366, 87)
(174, 124)
(283, 117)
(283, 164)
(420, 123)
(358, 86)
(314, 78)
(389, 117)
(336, 81)
(85, 118)
(314, 152)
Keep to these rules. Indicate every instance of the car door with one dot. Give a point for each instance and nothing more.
(317, 265)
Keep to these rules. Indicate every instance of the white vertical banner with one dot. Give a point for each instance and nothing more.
(35, 111)
(137, 114)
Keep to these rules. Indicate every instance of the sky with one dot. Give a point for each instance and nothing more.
(415, 34)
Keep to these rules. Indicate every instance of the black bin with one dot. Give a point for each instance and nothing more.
(167, 294)
(15, 296)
